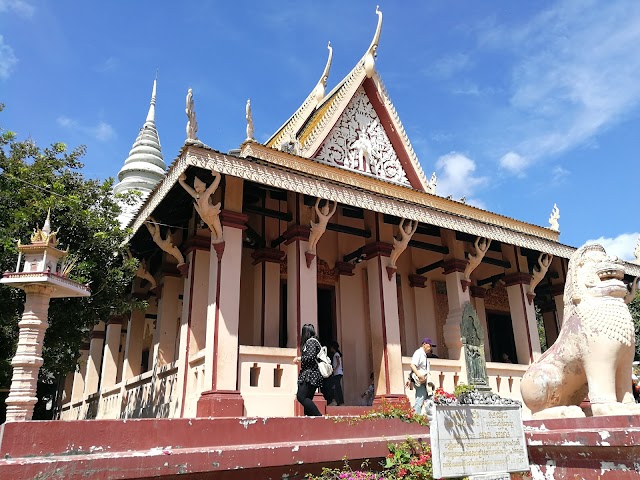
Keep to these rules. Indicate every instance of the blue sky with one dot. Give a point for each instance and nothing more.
(515, 105)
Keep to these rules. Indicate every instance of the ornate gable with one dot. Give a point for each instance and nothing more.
(359, 142)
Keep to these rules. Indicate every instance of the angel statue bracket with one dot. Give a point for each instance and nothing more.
(539, 272)
(481, 247)
(166, 244)
(406, 229)
(318, 228)
(203, 203)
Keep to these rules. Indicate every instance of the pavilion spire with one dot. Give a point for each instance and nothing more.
(151, 116)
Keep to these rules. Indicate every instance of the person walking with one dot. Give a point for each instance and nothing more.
(420, 368)
(309, 378)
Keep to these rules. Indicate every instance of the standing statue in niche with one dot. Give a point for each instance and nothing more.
(203, 203)
(192, 123)
(166, 244)
(399, 246)
(317, 229)
(473, 342)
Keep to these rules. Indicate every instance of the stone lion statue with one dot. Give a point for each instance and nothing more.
(595, 348)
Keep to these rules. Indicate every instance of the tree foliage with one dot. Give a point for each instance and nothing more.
(634, 308)
(32, 181)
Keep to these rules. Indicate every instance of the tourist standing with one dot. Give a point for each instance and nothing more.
(335, 389)
(420, 368)
(309, 378)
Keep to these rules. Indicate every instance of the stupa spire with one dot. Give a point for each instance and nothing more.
(144, 168)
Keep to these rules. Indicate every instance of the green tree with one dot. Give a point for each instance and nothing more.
(634, 308)
(33, 181)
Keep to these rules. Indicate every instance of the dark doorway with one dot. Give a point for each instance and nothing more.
(327, 328)
(501, 337)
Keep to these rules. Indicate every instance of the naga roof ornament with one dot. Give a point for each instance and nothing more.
(370, 56)
(322, 83)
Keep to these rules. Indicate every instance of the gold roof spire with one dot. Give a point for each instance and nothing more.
(369, 57)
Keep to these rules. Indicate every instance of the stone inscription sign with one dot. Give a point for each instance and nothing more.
(467, 440)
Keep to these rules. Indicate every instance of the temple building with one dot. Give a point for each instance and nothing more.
(331, 222)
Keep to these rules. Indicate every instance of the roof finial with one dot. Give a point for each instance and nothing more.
(322, 83)
(554, 217)
(369, 57)
(192, 123)
(151, 116)
(47, 223)
(249, 123)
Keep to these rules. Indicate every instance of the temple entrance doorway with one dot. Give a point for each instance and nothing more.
(501, 338)
(327, 327)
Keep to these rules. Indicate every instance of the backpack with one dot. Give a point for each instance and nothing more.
(324, 363)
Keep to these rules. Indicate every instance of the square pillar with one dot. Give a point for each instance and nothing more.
(94, 363)
(385, 322)
(302, 284)
(111, 352)
(223, 317)
(164, 338)
(425, 310)
(77, 391)
(523, 318)
(457, 295)
(266, 295)
(133, 345)
(478, 294)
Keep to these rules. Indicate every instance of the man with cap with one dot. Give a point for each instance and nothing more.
(420, 368)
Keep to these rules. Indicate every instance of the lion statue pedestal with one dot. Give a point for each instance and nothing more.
(595, 348)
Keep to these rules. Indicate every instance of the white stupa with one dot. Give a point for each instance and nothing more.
(144, 167)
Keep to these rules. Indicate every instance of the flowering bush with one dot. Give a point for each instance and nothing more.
(401, 410)
(409, 460)
(440, 397)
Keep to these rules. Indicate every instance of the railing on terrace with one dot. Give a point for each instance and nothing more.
(267, 378)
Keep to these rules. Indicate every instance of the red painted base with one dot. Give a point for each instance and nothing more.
(389, 398)
(318, 399)
(220, 403)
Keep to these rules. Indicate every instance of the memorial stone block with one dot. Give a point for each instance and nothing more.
(478, 439)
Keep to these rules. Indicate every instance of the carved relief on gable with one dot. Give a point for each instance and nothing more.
(497, 298)
(358, 142)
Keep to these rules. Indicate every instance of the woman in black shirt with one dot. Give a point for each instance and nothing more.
(310, 378)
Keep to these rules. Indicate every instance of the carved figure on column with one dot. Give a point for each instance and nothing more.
(192, 123)
(595, 347)
(400, 245)
(249, 118)
(203, 204)
(166, 244)
(554, 217)
(539, 271)
(318, 228)
(481, 246)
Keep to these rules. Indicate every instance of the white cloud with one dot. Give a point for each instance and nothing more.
(514, 163)
(456, 177)
(447, 66)
(558, 175)
(621, 246)
(108, 65)
(19, 7)
(575, 73)
(102, 132)
(8, 59)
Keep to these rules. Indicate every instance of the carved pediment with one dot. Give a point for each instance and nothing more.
(359, 142)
